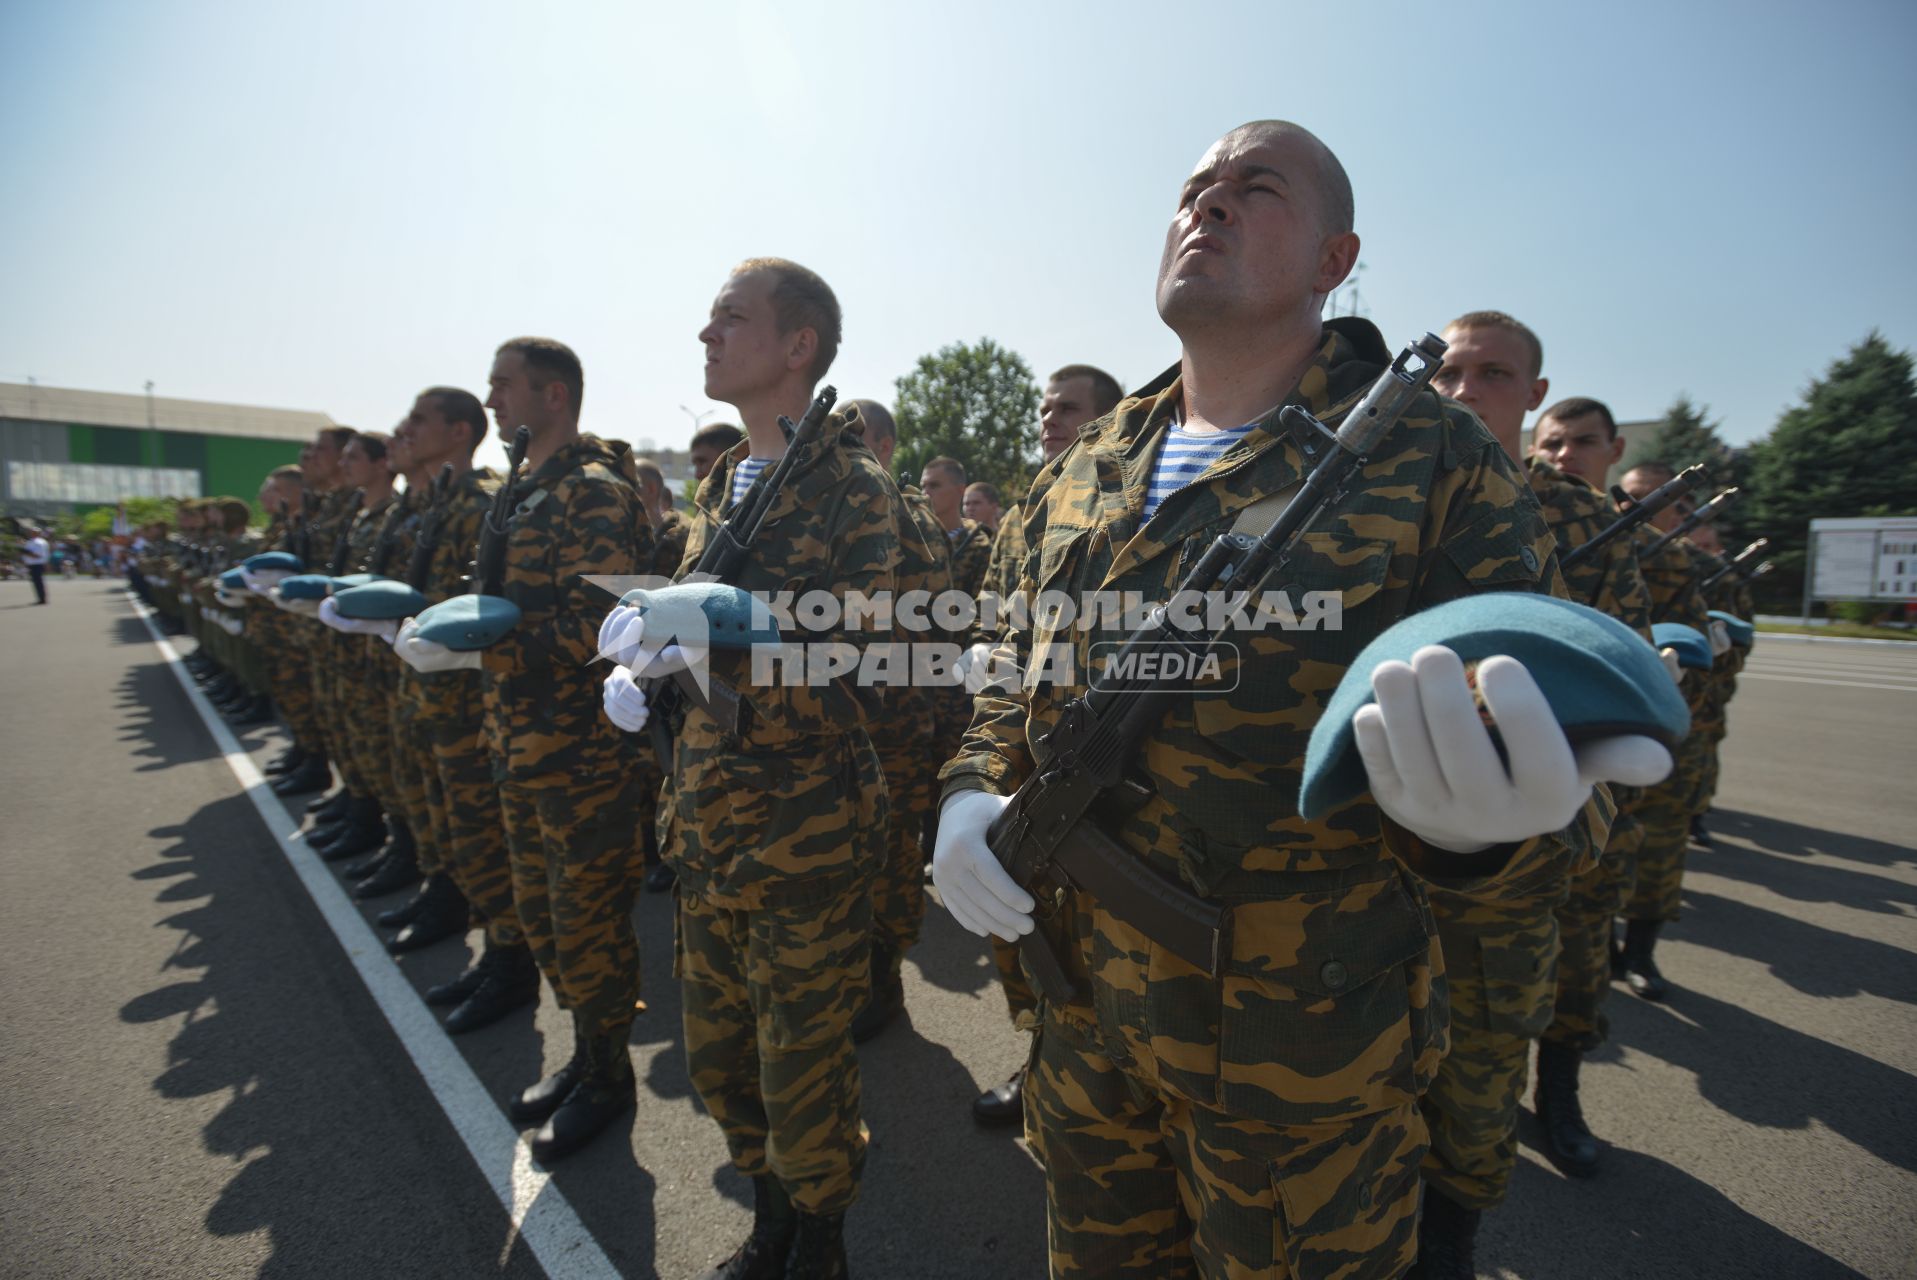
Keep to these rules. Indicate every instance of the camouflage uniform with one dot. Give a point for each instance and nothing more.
(667, 549)
(971, 552)
(1665, 810)
(283, 638)
(564, 772)
(776, 835)
(1263, 1122)
(905, 736)
(1001, 579)
(1732, 595)
(1502, 959)
(365, 682)
(336, 512)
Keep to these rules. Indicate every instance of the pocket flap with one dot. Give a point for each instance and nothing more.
(1327, 943)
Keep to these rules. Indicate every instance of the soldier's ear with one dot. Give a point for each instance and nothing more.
(801, 347)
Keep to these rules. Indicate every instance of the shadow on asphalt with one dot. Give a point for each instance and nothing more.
(1774, 835)
(1810, 958)
(1618, 1225)
(1769, 1074)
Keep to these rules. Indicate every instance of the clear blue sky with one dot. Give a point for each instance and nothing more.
(332, 206)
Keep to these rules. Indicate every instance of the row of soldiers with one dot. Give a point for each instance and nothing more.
(1340, 1094)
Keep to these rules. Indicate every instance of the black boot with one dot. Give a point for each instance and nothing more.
(511, 981)
(364, 832)
(330, 807)
(535, 1102)
(605, 1092)
(1447, 1240)
(406, 912)
(222, 688)
(398, 869)
(258, 711)
(818, 1250)
(1699, 836)
(444, 914)
(1568, 1144)
(1002, 1106)
(1640, 968)
(312, 774)
(287, 760)
(887, 998)
(400, 843)
(774, 1223)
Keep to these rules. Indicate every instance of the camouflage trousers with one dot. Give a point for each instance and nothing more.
(1665, 813)
(769, 995)
(1584, 934)
(1503, 978)
(575, 867)
(1142, 1181)
(366, 699)
(328, 701)
(290, 678)
(898, 890)
(1020, 999)
(469, 833)
(413, 765)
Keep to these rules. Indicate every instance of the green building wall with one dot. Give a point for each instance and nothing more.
(229, 466)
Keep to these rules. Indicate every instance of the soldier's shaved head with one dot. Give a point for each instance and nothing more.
(1335, 206)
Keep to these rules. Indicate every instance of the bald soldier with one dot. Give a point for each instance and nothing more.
(1074, 395)
(1264, 1120)
(1508, 962)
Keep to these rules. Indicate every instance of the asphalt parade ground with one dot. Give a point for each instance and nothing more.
(210, 1067)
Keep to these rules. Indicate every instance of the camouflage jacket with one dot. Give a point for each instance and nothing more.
(450, 698)
(668, 546)
(1611, 582)
(577, 515)
(1439, 512)
(971, 549)
(911, 712)
(796, 803)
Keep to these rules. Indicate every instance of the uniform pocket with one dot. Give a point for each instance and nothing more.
(809, 969)
(1347, 1198)
(1520, 986)
(1316, 1018)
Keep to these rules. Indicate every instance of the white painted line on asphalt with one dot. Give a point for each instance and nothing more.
(1844, 669)
(539, 1211)
(1846, 684)
(1805, 637)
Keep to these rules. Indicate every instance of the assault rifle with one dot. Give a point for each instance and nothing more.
(426, 540)
(300, 540)
(1740, 564)
(1636, 512)
(1706, 512)
(489, 557)
(343, 545)
(724, 556)
(1045, 837)
(388, 540)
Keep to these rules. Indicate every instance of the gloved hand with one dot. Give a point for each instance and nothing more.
(428, 656)
(1459, 795)
(620, 634)
(975, 668)
(384, 628)
(646, 665)
(228, 600)
(263, 582)
(978, 892)
(1672, 665)
(1720, 638)
(305, 608)
(625, 702)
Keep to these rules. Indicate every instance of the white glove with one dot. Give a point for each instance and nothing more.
(1720, 638)
(620, 634)
(1460, 796)
(978, 892)
(228, 599)
(428, 656)
(625, 702)
(384, 628)
(305, 608)
(263, 582)
(232, 626)
(1672, 665)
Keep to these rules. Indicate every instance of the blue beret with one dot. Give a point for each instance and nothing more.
(468, 622)
(1743, 634)
(233, 580)
(704, 615)
(1598, 676)
(306, 586)
(1693, 649)
(348, 581)
(274, 562)
(384, 599)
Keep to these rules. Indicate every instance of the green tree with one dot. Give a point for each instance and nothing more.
(1683, 438)
(1849, 449)
(974, 402)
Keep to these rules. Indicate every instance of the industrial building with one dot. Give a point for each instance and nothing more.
(65, 451)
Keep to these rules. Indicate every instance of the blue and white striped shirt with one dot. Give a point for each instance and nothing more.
(1183, 457)
(744, 474)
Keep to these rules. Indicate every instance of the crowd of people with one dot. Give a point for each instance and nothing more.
(1338, 1092)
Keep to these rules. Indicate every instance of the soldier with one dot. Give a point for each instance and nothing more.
(290, 682)
(1265, 1121)
(981, 505)
(907, 741)
(1504, 962)
(776, 824)
(1667, 809)
(668, 548)
(1731, 594)
(1074, 395)
(320, 470)
(708, 444)
(943, 482)
(564, 775)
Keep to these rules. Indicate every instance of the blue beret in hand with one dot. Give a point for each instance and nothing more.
(273, 562)
(704, 615)
(306, 586)
(1599, 677)
(386, 599)
(468, 622)
(1743, 634)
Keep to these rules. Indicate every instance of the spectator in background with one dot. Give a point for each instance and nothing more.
(35, 553)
